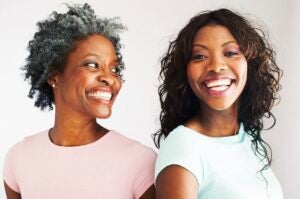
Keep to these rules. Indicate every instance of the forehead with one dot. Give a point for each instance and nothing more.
(95, 44)
(213, 34)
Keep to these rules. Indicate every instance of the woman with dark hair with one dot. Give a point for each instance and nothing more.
(75, 63)
(220, 80)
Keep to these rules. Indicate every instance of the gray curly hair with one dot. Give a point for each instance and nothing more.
(56, 38)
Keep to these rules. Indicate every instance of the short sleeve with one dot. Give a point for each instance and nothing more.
(180, 149)
(145, 172)
(9, 169)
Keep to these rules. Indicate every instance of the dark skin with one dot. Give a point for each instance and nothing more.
(86, 90)
(215, 56)
(176, 182)
(11, 194)
(149, 194)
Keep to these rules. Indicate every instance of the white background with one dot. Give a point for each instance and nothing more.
(151, 25)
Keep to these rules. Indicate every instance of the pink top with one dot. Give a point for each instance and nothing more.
(113, 167)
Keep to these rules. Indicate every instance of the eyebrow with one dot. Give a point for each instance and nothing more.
(228, 42)
(205, 47)
(200, 45)
(99, 56)
(92, 54)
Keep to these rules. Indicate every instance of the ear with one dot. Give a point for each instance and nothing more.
(53, 80)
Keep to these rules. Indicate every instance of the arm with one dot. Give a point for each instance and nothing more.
(10, 194)
(176, 182)
(149, 194)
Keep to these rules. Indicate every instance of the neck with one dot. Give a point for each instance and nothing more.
(215, 123)
(70, 130)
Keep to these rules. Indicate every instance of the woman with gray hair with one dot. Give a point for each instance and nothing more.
(75, 63)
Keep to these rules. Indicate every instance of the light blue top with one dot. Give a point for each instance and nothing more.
(225, 167)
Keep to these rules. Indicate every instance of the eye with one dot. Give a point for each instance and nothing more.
(231, 54)
(116, 70)
(198, 57)
(91, 64)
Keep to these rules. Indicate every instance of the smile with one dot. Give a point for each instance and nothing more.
(218, 84)
(218, 87)
(100, 95)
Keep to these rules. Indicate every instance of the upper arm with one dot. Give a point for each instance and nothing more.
(176, 182)
(11, 194)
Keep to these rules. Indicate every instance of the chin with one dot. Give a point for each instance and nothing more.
(221, 107)
(101, 113)
(102, 117)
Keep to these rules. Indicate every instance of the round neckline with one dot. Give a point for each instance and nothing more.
(80, 147)
(239, 137)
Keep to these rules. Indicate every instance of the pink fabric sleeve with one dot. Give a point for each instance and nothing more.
(145, 172)
(9, 169)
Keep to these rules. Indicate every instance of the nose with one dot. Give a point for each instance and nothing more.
(106, 78)
(217, 64)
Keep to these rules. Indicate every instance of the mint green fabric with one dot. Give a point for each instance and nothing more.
(225, 167)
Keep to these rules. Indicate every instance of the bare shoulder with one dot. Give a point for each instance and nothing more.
(175, 182)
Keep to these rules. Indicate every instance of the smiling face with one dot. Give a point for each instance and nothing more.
(90, 82)
(217, 71)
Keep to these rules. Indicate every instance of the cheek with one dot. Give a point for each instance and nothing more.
(192, 73)
(83, 79)
(118, 85)
(74, 78)
(242, 70)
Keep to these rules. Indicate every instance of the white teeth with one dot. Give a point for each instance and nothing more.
(218, 83)
(100, 95)
(218, 88)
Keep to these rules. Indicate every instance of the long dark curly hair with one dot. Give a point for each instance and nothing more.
(179, 103)
(56, 37)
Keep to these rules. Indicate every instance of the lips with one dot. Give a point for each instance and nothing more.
(100, 95)
(218, 83)
(217, 86)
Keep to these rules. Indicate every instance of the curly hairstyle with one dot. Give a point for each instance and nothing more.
(56, 37)
(179, 103)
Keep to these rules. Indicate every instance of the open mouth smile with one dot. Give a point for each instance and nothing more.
(100, 95)
(218, 87)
